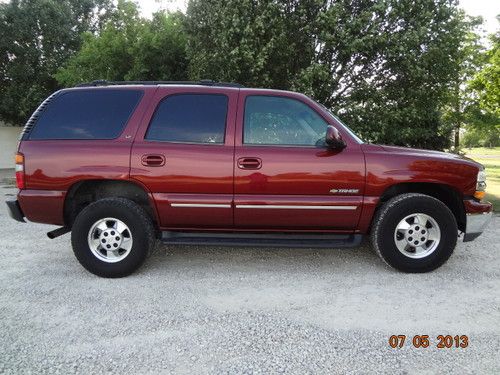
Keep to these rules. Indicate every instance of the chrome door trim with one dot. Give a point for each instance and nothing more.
(200, 205)
(262, 206)
(293, 207)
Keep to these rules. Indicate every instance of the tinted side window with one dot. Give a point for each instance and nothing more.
(86, 114)
(274, 120)
(190, 118)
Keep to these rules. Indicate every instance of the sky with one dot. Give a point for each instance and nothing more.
(151, 6)
(488, 9)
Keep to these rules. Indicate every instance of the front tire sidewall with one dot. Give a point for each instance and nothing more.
(435, 209)
(79, 239)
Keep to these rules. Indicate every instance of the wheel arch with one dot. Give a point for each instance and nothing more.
(447, 194)
(82, 193)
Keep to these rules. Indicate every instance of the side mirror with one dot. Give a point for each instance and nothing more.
(333, 138)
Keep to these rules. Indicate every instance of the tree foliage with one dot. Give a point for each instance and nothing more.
(383, 65)
(130, 48)
(257, 43)
(394, 70)
(482, 129)
(36, 38)
(487, 82)
(461, 105)
(483, 113)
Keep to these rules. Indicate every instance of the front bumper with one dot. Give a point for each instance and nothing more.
(15, 211)
(478, 215)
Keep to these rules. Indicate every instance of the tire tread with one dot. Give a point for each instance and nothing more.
(388, 207)
(143, 218)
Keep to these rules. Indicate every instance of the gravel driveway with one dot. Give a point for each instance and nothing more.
(218, 310)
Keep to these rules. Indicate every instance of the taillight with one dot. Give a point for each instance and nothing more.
(20, 180)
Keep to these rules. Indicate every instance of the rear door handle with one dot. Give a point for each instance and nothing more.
(153, 160)
(249, 163)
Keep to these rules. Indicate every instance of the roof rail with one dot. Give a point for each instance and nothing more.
(203, 82)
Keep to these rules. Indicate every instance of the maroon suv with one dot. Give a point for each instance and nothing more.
(123, 164)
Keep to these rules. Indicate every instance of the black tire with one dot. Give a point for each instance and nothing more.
(133, 216)
(390, 215)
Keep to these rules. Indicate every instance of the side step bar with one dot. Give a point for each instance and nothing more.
(306, 240)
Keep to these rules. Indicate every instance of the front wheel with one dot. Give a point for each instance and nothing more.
(112, 237)
(414, 233)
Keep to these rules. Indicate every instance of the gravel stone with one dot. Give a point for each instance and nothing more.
(218, 310)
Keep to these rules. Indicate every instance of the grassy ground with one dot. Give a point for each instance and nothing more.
(490, 158)
(495, 151)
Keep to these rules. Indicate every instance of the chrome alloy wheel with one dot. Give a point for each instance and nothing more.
(417, 236)
(110, 240)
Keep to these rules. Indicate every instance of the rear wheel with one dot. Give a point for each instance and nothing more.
(414, 233)
(112, 237)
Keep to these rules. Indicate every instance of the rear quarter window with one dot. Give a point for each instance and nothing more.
(86, 114)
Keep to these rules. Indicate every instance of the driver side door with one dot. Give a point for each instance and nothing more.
(285, 177)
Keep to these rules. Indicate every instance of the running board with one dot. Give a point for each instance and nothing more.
(306, 240)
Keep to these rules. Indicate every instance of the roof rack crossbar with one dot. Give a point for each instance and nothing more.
(203, 82)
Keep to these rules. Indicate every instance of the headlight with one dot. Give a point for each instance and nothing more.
(481, 181)
(480, 185)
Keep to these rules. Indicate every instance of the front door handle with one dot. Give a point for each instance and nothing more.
(249, 163)
(153, 160)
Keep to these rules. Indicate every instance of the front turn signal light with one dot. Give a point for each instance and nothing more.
(479, 194)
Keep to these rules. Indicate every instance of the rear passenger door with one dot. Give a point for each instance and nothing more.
(183, 153)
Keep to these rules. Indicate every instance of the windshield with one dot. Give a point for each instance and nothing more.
(347, 129)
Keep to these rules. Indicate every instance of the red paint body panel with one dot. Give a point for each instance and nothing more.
(175, 217)
(208, 175)
(57, 165)
(365, 219)
(297, 218)
(43, 206)
(191, 169)
(387, 166)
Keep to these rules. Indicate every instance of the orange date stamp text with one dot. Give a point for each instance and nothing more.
(424, 341)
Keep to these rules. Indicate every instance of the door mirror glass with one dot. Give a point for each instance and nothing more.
(333, 138)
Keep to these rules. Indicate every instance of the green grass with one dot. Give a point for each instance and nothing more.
(492, 165)
(482, 151)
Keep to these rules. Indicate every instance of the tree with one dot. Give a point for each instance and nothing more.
(107, 54)
(487, 82)
(256, 43)
(383, 65)
(37, 37)
(484, 112)
(159, 52)
(482, 129)
(461, 107)
(130, 48)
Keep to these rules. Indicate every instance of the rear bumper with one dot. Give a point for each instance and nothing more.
(478, 215)
(15, 211)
